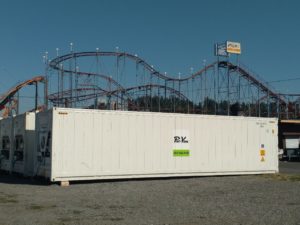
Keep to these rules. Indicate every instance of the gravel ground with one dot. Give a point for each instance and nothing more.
(289, 167)
(232, 200)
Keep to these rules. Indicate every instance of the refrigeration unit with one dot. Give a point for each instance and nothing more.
(84, 144)
(6, 144)
(24, 143)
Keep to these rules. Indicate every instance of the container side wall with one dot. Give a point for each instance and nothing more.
(43, 145)
(30, 144)
(95, 144)
(18, 135)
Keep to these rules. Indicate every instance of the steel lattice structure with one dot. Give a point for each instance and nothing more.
(130, 83)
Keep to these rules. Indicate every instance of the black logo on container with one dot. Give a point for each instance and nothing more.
(180, 139)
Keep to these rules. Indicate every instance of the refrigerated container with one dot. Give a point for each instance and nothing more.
(85, 144)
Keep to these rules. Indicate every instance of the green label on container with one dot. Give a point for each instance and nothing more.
(181, 152)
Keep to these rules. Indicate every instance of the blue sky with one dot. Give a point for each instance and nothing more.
(171, 35)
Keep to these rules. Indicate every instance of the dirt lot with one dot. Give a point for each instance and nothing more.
(265, 199)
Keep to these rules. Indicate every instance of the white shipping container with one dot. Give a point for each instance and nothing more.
(6, 144)
(24, 143)
(80, 144)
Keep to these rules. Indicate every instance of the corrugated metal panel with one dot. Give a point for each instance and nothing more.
(92, 144)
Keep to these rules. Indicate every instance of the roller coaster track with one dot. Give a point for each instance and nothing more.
(111, 80)
(174, 91)
(244, 73)
(6, 97)
(120, 91)
(55, 64)
(98, 92)
(107, 78)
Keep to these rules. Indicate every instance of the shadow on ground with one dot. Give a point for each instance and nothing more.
(19, 179)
